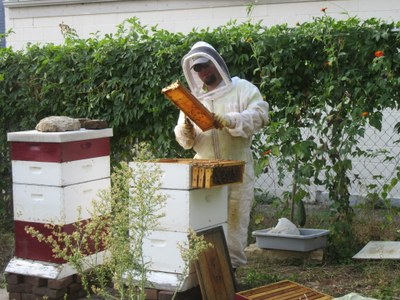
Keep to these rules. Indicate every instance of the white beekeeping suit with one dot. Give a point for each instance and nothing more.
(240, 108)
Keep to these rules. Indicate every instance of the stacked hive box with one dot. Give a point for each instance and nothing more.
(56, 176)
(186, 208)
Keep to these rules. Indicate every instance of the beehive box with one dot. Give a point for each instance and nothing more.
(195, 209)
(159, 244)
(204, 173)
(282, 290)
(186, 207)
(29, 247)
(307, 240)
(58, 147)
(162, 253)
(56, 176)
(60, 174)
(186, 102)
(56, 205)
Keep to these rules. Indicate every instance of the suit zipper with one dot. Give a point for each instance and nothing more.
(215, 139)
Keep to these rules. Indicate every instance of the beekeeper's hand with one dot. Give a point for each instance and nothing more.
(188, 129)
(221, 121)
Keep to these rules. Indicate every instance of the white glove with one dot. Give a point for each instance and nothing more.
(188, 129)
(221, 121)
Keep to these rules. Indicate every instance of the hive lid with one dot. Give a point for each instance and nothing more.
(379, 250)
(58, 137)
(42, 269)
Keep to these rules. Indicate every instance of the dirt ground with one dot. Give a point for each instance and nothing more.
(378, 279)
(375, 279)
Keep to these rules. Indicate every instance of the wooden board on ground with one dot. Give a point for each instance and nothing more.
(282, 290)
(213, 267)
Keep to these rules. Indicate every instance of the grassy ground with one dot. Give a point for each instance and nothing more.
(378, 279)
(6, 252)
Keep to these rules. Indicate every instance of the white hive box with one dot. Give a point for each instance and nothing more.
(57, 205)
(171, 281)
(196, 198)
(60, 174)
(174, 176)
(161, 250)
(195, 209)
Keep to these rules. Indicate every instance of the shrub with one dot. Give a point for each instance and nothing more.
(329, 78)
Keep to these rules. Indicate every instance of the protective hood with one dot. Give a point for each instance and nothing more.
(202, 51)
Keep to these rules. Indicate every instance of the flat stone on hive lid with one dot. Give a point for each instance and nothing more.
(58, 124)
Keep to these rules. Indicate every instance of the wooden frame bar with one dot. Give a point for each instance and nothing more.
(190, 105)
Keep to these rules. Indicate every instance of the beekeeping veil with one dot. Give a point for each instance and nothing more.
(202, 52)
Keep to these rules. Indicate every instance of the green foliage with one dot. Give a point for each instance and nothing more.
(301, 214)
(255, 279)
(325, 80)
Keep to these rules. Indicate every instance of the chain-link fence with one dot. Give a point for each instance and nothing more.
(369, 174)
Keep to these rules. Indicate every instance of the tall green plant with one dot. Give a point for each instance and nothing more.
(325, 82)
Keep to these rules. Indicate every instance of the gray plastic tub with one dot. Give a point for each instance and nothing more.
(308, 240)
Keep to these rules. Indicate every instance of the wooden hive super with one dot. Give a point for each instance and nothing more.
(282, 290)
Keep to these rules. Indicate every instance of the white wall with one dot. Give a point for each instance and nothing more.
(38, 20)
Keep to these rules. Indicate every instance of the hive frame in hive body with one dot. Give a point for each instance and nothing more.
(190, 105)
(213, 267)
(203, 171)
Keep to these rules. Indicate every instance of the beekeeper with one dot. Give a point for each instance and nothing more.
(240, 111)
